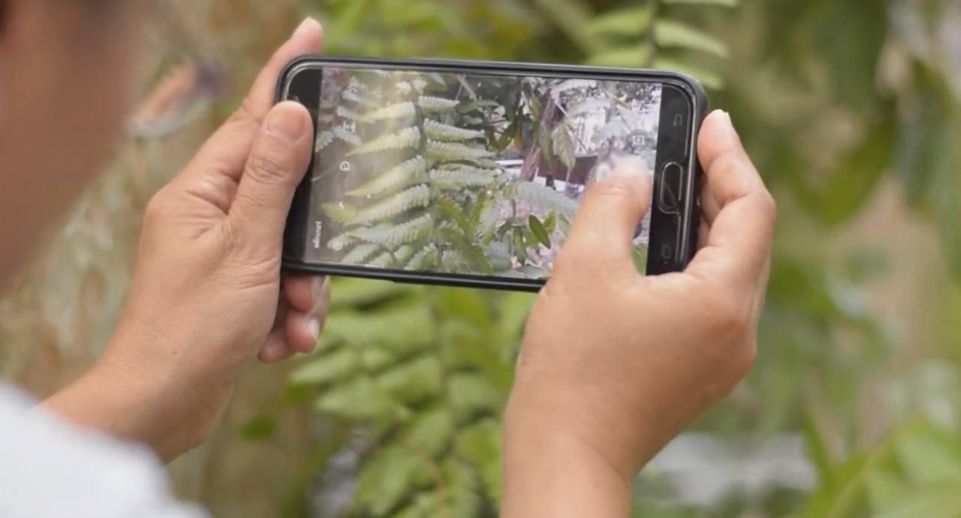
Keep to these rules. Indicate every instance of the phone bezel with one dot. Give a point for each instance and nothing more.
(682, 244)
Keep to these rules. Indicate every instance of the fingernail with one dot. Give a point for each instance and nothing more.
(728, 123)
(629, 167)
(318, 286)
(309, 24)
(286, 122)
(314, 327)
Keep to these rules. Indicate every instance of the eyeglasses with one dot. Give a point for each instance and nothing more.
(183, 73)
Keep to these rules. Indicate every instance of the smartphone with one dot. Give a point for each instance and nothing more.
(469, 173)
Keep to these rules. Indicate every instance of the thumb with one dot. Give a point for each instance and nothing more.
(602, 237)
(278, 160)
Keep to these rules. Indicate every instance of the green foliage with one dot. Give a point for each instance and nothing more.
(428, 191)
(832, 99)
(425, 371)
(651, 34)
(914, 471)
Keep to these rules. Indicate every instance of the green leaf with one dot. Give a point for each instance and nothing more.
(929, 458)
(937, 500)
(431, 431)
(717, 3)
(416, 197)
(572, 17)
(632, 21)
(446, 133)
(668, 33)
(403, 328)
(405, 174)
(469, 393)
(402, 110)
(349, 293)
(405, 138)
(387, 477)
(413, 381)
(537, 228)
(545, 198)
(436, 104)
(709, 79)
(817, 450)
(361, 254)
(453, 211)
(450, 152)
(326, 368)
(636, 55)
(392, 236)
(481, 445)
(461, 487)
(358, 400)
(460, 176)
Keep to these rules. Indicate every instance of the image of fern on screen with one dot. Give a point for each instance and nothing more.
(470, 174)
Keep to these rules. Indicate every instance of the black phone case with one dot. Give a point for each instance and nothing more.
(295, 230)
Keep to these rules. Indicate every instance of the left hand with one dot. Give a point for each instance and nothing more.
(207, 294)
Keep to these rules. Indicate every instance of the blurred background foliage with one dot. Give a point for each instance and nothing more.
(851, 112)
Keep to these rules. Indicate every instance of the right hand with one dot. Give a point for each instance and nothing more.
(614, 364)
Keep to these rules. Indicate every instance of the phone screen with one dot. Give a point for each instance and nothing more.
(469, 174)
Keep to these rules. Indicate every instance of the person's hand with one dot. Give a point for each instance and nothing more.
(615, 364)
(207, 294)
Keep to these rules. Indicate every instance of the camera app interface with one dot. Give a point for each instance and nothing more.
(466, 174)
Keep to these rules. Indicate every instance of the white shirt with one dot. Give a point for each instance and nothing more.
(51, 469)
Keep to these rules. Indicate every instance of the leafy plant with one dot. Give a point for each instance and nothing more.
(649, 34)
(422, 374)
(427, 184)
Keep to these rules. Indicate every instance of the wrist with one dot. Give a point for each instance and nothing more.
(552, 468)
(627, 433)
(140, 404)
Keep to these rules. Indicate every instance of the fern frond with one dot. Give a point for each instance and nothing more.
(452, 212)
(361, 253)
(404, 110)
(403, 254)
(458, 176)
(405, 138)
(346, 136)
(384, 260)
(346, 113)
(429, 104)
(446, 133)
(545, 198)
(422, 259)
(415, 197)
(483, 163)
(410, 172)
(454, 260)
(324, 139)
(339, 212)
(449, 152)
(356, 98)
(466, 253)
(392, 236)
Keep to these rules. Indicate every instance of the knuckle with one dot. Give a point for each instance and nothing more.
(245, 114)
(768, 206)
(266, 169)
(728, 316)
(157, 208)
(251, 273)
